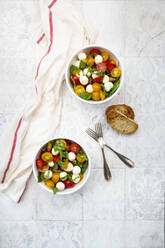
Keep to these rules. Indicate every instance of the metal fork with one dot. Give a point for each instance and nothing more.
(107, 173)
(99, 138)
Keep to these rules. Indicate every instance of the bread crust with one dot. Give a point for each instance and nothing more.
(121, 118)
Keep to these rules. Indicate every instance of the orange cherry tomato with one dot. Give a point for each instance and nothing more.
(116, 72)
(79, 89)
(105, 55)
(50, 184)
(96, 95)
(96, 87)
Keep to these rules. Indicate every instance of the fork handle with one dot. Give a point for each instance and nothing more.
(125, 160)
(107, 173)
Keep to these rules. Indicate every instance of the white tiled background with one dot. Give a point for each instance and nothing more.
(127, 212)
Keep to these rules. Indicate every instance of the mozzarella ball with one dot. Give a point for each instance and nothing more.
(75, 178)
(62, 175)
(89, 88)
(76, 170)
(77, 63)
(72, 156)
(51, 164)
(82, 56)
(108, 86)
(83, 80)
(48, 174)
(69, 167)
(80, 73)
(94, 75)
(54, 153)
(105, 79)
(60, 186)
(86, 72)
(98, 59)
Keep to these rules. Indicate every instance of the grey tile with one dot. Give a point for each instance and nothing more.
(25, 210)
(102, 199)
(59, 234)
(54, 207)
(145, 194)
(17, 234)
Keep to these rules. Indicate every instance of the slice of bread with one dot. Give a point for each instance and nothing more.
(124, 109)
(120, 117)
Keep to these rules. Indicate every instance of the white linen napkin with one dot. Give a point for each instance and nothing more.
(62, 30)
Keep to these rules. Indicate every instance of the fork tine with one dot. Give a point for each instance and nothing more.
(101, 131)
(92, 134)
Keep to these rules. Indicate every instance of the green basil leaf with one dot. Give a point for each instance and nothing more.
(83, 65)
(70, 177)
(114, 88)
(62, 164)
(86, 95)
(112, 79)
(44, 148)
(55, 167)
(55, 190)
(73, 68)
(100, 73)
(84, 167)
(39, 177)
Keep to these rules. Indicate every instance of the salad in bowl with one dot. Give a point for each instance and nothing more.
(94, 74)
(61, 166)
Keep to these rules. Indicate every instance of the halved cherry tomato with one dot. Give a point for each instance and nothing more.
(98, 79)
(40, 163)
(101, 67)
(112, 61)
(96, 87)
(96, 95)
(105, 55)
(91, 61)
(79, 89)
(63, 143)
(45, 168)
(49, 146)
(56, 177)
(50, 184)
(116, 72)
(76, 79)
(56, 158)
(81, 157)
(110, 66)
(68, 184)
(74, 147)
(47, 156)
(102, 95)
(94, 50)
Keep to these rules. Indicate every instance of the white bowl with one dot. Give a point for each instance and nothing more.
(67, 190)
(86, 49)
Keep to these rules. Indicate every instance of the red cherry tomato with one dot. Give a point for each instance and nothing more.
(56, 158)
(110, 66)
(98, 79)
(94, 50)
(74, 147)
(76, 79)
(40, 163)
(68, 184)
(101, 67)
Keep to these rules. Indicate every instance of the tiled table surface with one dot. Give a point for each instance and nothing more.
(127, 212)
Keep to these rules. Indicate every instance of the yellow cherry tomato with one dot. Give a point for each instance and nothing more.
(50, 184)
(45, 168)
(116, 72)
(47, 156)
(79, 89)
(91, 61)
(85, 60)
(96, 87)
(49, 146)
(102, 95)
(96, 95)
(56, 177)
(81, 158)
(105, 55)
(63, 143)
(81, 177)
(112, 61)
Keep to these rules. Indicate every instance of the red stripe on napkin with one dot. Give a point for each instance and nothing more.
(12, 150)
(51, 4)
(40, 39)
(51, 41)
(24, 189)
